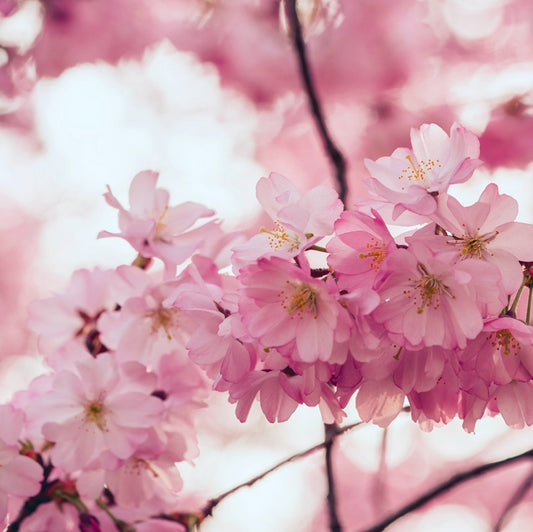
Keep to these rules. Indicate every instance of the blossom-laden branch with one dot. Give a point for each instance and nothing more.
(449, 484)
(334, 154)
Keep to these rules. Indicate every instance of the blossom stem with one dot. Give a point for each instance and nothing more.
(120, 525)
(31, 504)
(455, 480)
(337, 159)
(529, 299)
(379, 487)
(526, 279)
(314, 247)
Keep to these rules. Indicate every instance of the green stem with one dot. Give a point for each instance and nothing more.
(120, 525)
(526, 279)
(529, 298)
(314, 247)
(74, 500)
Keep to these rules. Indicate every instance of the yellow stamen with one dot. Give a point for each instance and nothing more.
(95, 412)
(299, 299)
(279, 238)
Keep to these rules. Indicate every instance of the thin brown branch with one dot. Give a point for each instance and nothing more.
(457, 479)
(330, 431)
(213, 502)
(208, 508)
(515, 499)
(334, 154)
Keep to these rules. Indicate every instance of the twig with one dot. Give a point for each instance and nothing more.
(207, 510)
(331, 431)
(515, 499)
(334, 154)
(31, 504)
(213, 502)
(457, 479)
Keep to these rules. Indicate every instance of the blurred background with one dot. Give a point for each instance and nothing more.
(207, 92)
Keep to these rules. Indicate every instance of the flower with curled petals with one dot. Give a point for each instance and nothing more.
(411, 178)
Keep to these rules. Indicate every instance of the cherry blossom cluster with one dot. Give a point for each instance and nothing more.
(321, 305)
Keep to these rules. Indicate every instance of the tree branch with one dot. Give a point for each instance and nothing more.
(457, 479)
(208, 509)
(331, 431)
(334, 154)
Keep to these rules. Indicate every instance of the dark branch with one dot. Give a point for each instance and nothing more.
(334, 154)
(457, 479)
(331, 431)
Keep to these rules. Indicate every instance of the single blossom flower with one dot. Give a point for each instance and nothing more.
(412, 178)
(432, 301)
(358, 249)
(281, 304)
(156, 229)
(486, 230)
(298, 221)
(96, 414)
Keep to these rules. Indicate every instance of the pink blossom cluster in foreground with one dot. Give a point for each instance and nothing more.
(322, 305)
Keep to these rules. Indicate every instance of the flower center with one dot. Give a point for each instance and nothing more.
(376, 252)
(474, 245)
(504, 342)
(428, 289)
(280, 238)
(419, 172)
(299, 299)
(164, 318)
(95, 412)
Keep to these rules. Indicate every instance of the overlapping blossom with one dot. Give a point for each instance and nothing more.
(435, 319)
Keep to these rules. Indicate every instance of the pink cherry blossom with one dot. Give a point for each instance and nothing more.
(73, 314)
(432, 301)
(379, 401)
(503, 352)
(298, 221)
(96, 414)
(359, 249)
(156, 229)
(281, 304)
(411, 178)
(486, 230)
